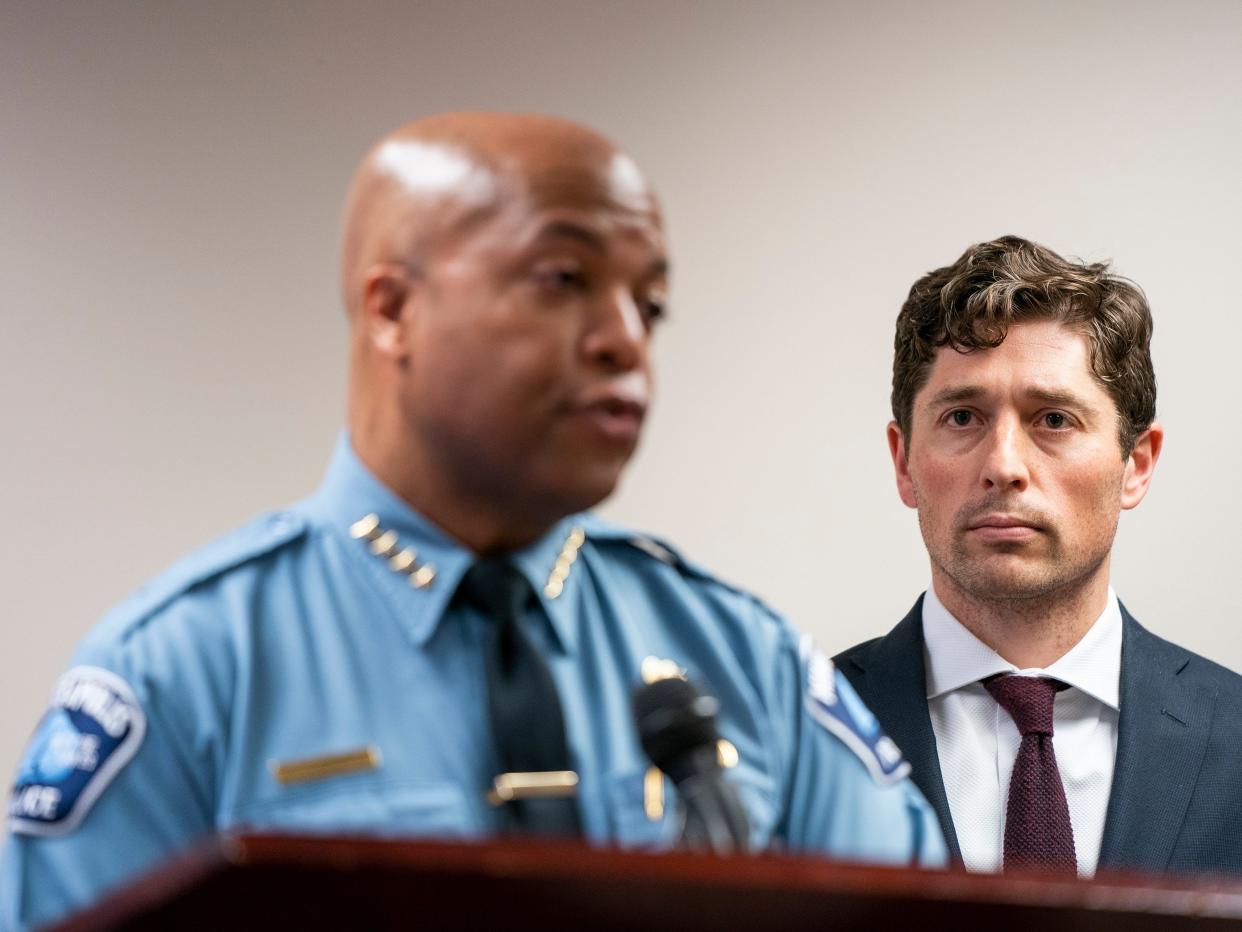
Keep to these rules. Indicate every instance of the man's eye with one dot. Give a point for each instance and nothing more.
(654, 307)
(960, 418)
(562, 276)
(1056, 420)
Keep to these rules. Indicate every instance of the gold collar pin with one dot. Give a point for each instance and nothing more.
(564, 563)
(386, 545)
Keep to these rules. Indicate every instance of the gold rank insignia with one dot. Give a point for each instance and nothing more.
(386, 545)
(564, 563)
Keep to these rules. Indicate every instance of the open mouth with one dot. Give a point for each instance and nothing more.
(613, 418)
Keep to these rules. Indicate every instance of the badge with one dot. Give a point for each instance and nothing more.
(832, 702)
(91, 730)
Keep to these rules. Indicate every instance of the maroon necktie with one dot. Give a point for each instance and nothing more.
(1038, 833)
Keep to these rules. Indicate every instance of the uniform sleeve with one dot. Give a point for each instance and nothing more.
(113, 783)
(848, 794)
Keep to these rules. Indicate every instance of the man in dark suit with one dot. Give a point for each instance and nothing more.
(1046, 726)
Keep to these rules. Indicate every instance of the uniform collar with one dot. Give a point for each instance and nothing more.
(557, 590)
(956, 658)
(351, 499)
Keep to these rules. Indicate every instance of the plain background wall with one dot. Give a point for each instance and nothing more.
(172, 358)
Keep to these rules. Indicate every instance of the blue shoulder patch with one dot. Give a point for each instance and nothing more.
(91, 730)
(832, 702)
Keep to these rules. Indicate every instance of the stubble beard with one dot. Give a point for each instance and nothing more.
(1029, 578)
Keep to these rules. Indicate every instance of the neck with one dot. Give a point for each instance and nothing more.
(1029, 632)
(481, 522)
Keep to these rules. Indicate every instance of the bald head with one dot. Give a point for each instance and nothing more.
(503, 275)
(438, 176)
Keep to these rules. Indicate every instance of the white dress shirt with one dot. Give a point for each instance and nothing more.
(977, 741)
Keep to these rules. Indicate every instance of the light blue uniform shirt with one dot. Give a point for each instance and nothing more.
(315, 632)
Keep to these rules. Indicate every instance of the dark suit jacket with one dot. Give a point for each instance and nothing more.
(1176, 802)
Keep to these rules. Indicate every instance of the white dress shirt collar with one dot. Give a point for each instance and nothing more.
(955, 657)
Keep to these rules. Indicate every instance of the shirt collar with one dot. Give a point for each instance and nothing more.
(551, 566)
(350, 495)
(956, 658)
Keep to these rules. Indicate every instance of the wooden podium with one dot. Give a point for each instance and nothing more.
(272, 882)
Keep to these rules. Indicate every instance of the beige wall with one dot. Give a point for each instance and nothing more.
(170, 180)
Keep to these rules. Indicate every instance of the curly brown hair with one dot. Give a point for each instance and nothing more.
(971, 305)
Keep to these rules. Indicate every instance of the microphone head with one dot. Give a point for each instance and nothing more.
(674, 720)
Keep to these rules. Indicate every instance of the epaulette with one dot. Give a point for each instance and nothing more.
(601, 531)
(241, 545)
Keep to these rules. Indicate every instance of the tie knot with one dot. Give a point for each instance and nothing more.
(496, 588)
(1027, 699)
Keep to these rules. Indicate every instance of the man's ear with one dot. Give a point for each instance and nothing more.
(897, 449)
(1140, 465)
(387, 294)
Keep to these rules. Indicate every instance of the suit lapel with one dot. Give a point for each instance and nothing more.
(896, 691)
(1162, 734)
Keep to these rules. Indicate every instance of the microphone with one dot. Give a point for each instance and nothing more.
(677, 730)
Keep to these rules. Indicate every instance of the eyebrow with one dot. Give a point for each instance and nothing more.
(592, 239)
(564, 229)
(955, 395)
(1060, 397)
(1053, 396)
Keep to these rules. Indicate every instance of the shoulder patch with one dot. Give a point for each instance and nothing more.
(91, 730)
(833, 704)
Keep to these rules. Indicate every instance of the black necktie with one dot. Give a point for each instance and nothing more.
(527, 726)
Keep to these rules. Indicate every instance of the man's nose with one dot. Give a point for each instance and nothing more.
(617, 333)
(1005, 463)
